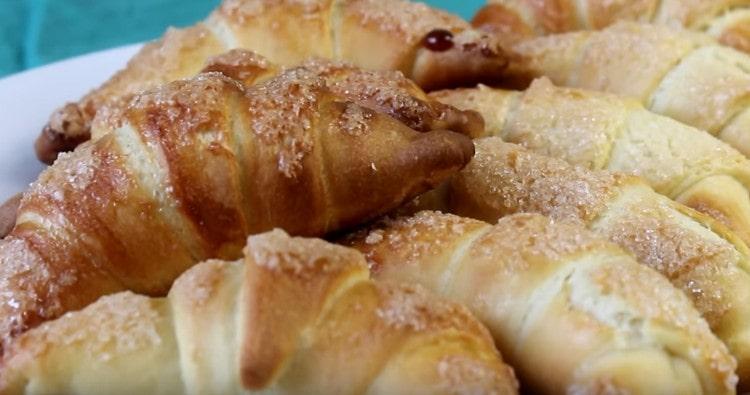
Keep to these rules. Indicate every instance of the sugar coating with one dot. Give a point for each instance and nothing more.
(22, 272)
(565, 123)
(653, 231)
(186, 106)
(114, 326)
(71, 175)
(597, 59)
(461, 374)
(300, 257)
(707, 89)
(355, 120)
(283, 110)
(29, 288)
(409, 20)
(200, 283)
(520, 181)
(413, 237)
(514, 238)
(385, 91)
(661, 302)
(412, 308)
(282, 113)
(692, 261)
(242, 10)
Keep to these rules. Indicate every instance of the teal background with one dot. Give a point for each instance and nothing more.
(35, 32)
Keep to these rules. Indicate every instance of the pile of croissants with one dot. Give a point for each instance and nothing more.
(269, 202)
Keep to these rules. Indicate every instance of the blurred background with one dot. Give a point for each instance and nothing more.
(36, 32)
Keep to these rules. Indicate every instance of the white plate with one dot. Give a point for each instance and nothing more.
(27, 99)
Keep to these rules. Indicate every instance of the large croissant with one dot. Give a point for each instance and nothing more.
(434, 48)
(573, 314)
(189, 170)
(698, 255)
(683, 75)
(295, 316)
(726, 20)
(604, 131)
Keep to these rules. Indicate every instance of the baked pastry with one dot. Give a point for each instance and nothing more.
(8, 214)
(187, 171)
(697, 254)
(385, 91)
(294, 316)
(726, 20)
(607, 132)
(680, 74)
(570, 311)
(434, 48)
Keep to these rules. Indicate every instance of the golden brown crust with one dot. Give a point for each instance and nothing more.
(501, 21)
(531, 280)
(554, 15)
(288, 32)
(8, 212)
(392, 93)
(296, 286)
(297, 315)
(179, 54)
(187, 171)
(536, 17)
(737, 37)
(242, 65)
(287, 285)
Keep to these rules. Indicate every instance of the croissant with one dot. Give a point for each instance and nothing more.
(434, 48)
(725, 20)
(571, 312)
(603, 131)
(294, 316)
(191, 169)
(683, 75)
(697, 254)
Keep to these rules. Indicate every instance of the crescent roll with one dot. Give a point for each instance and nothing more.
(186, 172)
(697, 254)
(294, 316)
(570, 311)
(432, 47)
